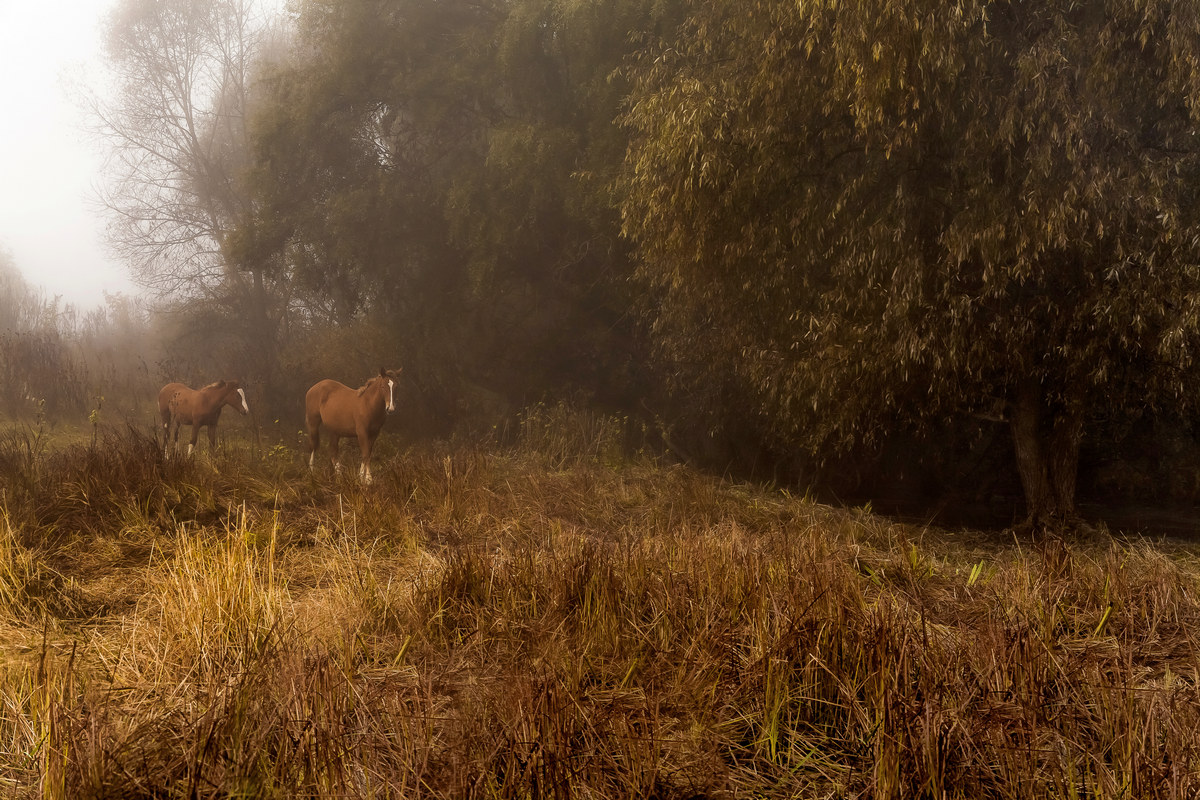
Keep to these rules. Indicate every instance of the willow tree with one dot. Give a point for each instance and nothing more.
(422, 163)
(896, 212)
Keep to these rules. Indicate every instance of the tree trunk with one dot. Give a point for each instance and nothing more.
(1047, 452)
(263, 350)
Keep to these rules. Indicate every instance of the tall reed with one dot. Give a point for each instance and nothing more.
(487, 623)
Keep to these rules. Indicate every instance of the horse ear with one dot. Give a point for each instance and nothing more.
(383, 372)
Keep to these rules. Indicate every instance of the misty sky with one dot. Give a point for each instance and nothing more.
(47, 164)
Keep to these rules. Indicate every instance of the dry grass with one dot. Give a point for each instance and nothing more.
(502, 624)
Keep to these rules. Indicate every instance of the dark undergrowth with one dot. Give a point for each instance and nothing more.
(547, 621)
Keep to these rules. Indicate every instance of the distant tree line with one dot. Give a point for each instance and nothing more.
(58, 361)
(790, 234)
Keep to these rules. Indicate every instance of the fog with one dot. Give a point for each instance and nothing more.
(461, 189)
(48, 166)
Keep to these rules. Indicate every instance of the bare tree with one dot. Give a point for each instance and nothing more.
(175, 134)
(174, 128)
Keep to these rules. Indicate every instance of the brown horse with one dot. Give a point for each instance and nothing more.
(199, 408)
(349, 412)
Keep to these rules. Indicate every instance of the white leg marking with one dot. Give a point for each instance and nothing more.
(311, 456)
(189, 448)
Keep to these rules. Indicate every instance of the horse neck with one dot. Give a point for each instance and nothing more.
(376, 396)
(212, 397)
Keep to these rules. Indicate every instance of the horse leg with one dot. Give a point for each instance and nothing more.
(195, 436)
(366, 443)
(312, 421)
(333, 452)
(212, 438)
(314, 441)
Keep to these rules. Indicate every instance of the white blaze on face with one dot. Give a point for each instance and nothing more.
(391, 401)
(245, 405)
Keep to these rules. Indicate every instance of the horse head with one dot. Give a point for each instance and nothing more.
(235, 396)
(388, 378)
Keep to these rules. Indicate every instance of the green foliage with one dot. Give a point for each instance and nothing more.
(440, 168)
(887, 213)
(844, 221)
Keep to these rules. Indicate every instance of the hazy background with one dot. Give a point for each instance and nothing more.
(47, 163)
(765, 260)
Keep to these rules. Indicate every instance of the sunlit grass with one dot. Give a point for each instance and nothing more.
(513, 623)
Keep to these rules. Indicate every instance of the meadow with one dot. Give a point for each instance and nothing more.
(555, 618)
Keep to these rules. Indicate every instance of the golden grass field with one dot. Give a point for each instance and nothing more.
(547, 620)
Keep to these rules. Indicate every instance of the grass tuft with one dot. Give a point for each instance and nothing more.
(520, 623)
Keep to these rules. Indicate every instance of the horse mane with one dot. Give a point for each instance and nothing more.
(383, 373)
(367, 385)
(216, 385)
